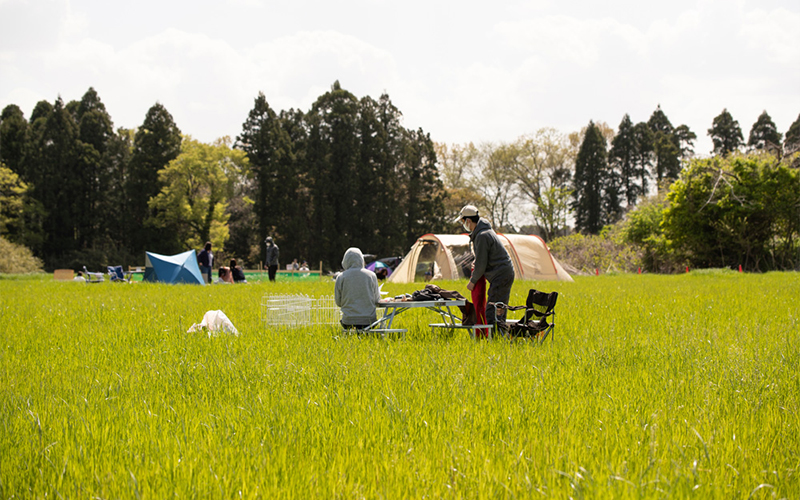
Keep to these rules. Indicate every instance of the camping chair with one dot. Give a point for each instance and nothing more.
(92, 277)
(539, 308)
(116, 274)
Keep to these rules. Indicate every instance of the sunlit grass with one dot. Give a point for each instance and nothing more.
(652, 387)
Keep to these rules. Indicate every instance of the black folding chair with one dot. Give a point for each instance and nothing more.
(538, 321)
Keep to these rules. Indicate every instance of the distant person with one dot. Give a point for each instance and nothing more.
(295, 265)
(206, 260)
(224, 276)
(382, 273)
(237, 273)
(79, 277)
(304, 266)
(273, 252)
(491, 261)
(356, 291)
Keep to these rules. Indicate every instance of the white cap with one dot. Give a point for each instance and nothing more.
(467, 211)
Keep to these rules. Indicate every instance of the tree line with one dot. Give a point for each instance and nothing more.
(632, 183)
(344, 173)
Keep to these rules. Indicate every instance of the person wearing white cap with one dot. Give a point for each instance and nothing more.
(491, 260)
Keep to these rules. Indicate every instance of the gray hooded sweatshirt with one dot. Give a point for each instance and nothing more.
(356, 290)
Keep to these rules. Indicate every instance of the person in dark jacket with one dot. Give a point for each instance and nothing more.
(272, 257)
(206, 261)
(237, 273)
(491, 261)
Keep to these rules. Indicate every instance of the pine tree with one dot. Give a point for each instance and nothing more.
(114, 206)
(380, 228)
(95, 131)
(764, 134)
(686, 140)
(54, 159)
(94, 122)
(590, 177)
(665, 147)
(645, 152)
(423, 189)
(792, 143)
(726, 134)
(156, 143)
(298, 203)
(13, 138)
(269, 148)
(332, 154)
(671, 146)
(623, 160)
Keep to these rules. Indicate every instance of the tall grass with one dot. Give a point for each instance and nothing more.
(653, 386)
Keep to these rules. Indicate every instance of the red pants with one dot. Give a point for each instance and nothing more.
(479, 301)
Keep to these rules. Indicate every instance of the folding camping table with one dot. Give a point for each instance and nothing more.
(442, 307)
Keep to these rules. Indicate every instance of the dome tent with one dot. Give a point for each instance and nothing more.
(180, 268)
(448, 256)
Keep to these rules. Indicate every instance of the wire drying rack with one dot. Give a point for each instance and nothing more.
(298, 310)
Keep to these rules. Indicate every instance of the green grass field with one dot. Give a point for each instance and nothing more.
(683, 386)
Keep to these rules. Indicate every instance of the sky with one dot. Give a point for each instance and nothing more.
(467, 71)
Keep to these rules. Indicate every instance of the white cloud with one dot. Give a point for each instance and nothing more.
(578, 41)
(28, 25)
(515, 69)
(774, 35)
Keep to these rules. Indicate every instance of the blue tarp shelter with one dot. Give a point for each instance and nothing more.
(180, 268)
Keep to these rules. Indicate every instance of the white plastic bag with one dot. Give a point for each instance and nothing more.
(214, 322)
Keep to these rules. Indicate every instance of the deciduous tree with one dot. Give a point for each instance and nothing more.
(497, 182)
(196, 187)
(732, 211)
(12, 202)
(458, 165)
(544, 175)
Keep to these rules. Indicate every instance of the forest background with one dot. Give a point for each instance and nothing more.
(75, 191)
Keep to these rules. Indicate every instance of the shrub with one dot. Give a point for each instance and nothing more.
(739, 210)
(641, 228)
(605, 251)
(17, 259)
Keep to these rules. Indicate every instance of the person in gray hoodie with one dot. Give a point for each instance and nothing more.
(491, 260)
(356, 291)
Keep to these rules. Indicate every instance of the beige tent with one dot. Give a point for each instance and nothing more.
(448, 256)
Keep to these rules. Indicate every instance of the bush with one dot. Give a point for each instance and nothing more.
(604, 251)
(17, 259)
(641, 228)
(738, 210)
